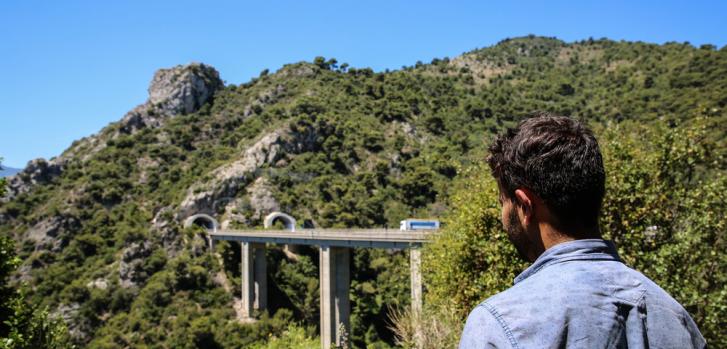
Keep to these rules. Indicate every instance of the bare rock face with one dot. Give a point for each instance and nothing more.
(100, 283)
(262, 201)
(77, 328)
(183, 89)
(229, 179)
(37, 171)
(221, 191)
(232, 214)
(174, 91)
(131, 271)
(46, 234)
(298, 70)
(163, 227)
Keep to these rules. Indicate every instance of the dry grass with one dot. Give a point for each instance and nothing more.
(432, 329)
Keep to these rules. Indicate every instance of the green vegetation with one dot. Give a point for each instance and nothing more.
(367, 149)
(22, 324)
(666, 220)
(292, 338)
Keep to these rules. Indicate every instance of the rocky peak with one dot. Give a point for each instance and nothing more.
(184, 88)
(175, 91)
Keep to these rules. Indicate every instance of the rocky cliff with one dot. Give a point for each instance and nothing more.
(175, 91)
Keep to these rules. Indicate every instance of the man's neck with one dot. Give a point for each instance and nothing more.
(552, 236)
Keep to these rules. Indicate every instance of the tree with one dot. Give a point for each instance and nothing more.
(321, 62)
(664, 209)
(23, 325)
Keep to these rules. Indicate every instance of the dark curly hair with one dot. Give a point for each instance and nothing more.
(557, 158)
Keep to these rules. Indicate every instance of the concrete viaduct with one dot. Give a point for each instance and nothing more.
(335, 248)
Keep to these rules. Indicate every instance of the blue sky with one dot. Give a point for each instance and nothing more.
(72, 67)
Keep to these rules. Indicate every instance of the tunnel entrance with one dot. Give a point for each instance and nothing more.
(287, 220)
(205, 221)
(202, 220)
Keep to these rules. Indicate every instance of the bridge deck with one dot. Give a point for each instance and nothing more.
(380, 238)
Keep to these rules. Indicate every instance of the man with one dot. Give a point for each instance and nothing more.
(577, 293)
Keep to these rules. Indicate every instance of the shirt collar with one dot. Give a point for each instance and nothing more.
(585, 249)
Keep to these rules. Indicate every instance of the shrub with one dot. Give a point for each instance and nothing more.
(24, 325)
(664, 209)
(292, 338)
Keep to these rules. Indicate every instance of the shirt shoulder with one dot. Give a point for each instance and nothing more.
(589, 304)
(485, 328)
(670, 325)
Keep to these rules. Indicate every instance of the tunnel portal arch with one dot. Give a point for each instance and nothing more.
(287, 220)
(203, 220)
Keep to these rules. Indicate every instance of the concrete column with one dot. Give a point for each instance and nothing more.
(248, 284)
(335, 279)
(212, 244)
(261, 278)
(415, 262)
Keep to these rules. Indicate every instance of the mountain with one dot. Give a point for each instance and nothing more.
(99, 227)
(8, 171)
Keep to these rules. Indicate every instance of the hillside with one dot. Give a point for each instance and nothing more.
(99, 227)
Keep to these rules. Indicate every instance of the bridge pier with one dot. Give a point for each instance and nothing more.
(415, 262)
(335, 279)
(261, 278)
(254, 278)
(415, 277)
(335, 275)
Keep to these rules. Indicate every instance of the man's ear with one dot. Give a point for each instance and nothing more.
(525, 200)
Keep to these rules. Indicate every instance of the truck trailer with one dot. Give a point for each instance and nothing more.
(419, 224)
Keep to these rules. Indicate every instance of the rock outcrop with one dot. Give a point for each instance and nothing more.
(221, 188)
(100, 283)
(131, 271)
(183, 89)
(227, 180)
(175, 91)
(262, 201)
(37, 171)
(78, 328)
(48, 233)
(298, 70)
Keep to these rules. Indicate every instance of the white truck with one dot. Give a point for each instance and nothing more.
(419, 224)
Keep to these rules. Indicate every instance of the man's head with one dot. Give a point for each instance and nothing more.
(551, 178)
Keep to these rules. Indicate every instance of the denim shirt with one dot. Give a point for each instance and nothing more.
(578, 294)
